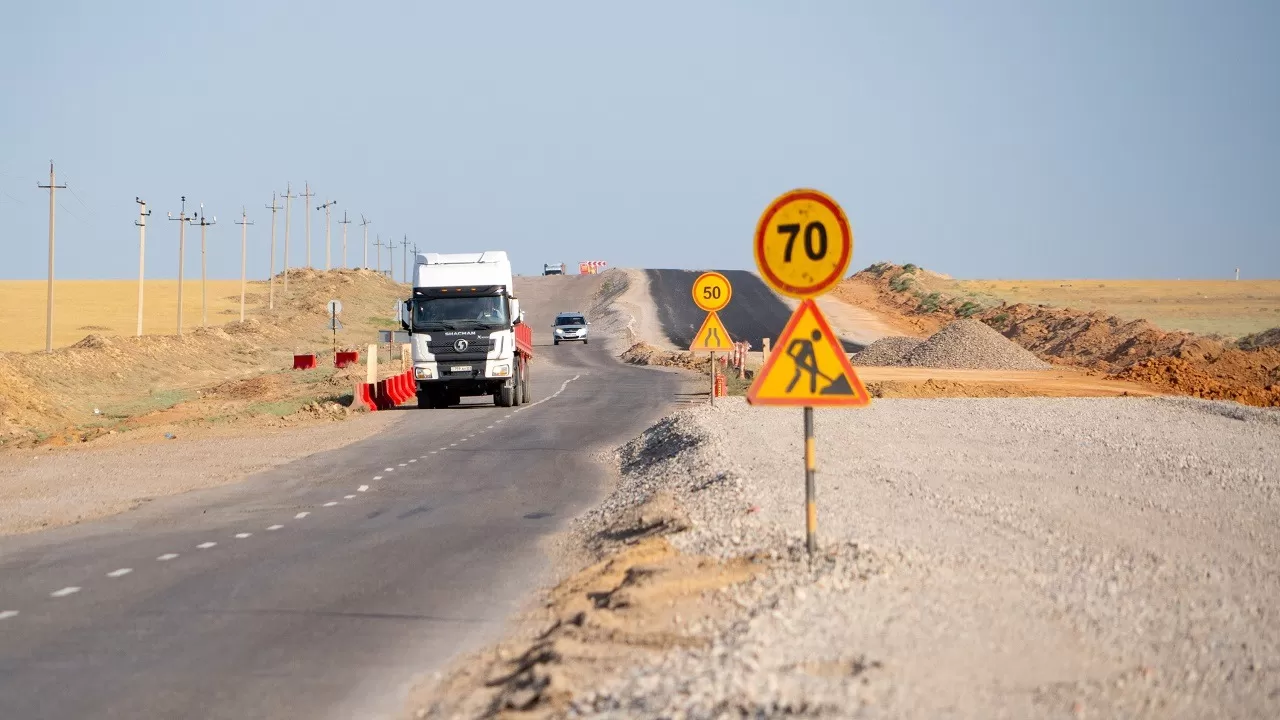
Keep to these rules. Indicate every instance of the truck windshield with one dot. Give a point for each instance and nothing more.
(451, 313)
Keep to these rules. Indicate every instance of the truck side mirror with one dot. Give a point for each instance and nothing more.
(406, 312)
(516, 314)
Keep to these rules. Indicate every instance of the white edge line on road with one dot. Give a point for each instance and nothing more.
(120, 573)
(241, 536)
(301, 515)
(331, 503)
(167, 556)
(363, 488)
(72, 590)
(275, 527)
(6, 614)
(206, 545)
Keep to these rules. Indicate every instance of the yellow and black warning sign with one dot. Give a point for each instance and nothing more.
(808, 367)
(711, 337)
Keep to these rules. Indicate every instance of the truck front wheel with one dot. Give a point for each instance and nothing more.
(505, 396)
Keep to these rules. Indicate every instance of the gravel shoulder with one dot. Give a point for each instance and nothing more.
(1030, 557)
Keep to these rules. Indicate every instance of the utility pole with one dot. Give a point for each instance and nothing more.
(305, 204)
(391, 259)
(271, 279)
(404, 251)
(244, 246)
(365, 224)
(182, 250)
(327, 224)
(204, 289)
(344, 222)
(52, 187)
(141, 222)
(288, 203)
(379, 245)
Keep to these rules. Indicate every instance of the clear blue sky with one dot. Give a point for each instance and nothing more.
(982, 139)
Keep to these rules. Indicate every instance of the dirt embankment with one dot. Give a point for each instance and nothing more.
(107, 385)
(1247, 371)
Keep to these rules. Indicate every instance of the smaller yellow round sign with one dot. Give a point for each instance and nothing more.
(803, 244)
(711, 291)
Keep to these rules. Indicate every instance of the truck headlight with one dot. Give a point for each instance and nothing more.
(422, 373)
(502, 370)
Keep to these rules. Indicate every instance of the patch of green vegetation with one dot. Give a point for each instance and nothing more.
(930, 303)
(878, 269)
(900, 283)
(155, 400)
(968, 309)
(383, 323)
(999, 321)
(909, 268)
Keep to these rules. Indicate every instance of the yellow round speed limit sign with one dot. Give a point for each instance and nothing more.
(803, 244)
(711, 291)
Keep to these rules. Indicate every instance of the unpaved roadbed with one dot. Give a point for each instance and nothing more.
(980, 558)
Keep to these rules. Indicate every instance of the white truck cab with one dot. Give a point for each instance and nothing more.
(463, 320)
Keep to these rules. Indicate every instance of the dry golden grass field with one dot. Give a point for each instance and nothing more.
(1225, 307)
(110, 307)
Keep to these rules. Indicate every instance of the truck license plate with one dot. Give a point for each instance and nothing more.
(461, 368)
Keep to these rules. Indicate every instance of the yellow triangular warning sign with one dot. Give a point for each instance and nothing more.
(808, 367)
(711, 337)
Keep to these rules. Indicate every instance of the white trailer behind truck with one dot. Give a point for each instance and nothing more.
(467, 330)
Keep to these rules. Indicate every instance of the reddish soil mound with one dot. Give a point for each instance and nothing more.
(1137, 350)
(643, 353)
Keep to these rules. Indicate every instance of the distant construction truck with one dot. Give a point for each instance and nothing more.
(553, 269)
(467, 331)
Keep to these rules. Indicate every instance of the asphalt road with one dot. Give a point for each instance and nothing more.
(754, 312)
(322, 588)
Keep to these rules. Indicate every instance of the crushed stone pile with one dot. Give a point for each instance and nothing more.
(886, 351)
(971, 344)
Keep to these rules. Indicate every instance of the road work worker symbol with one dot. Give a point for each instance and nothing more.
(808, 367)
(711, 337)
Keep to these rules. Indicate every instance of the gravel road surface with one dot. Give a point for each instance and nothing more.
(979, 558)
(321, 588)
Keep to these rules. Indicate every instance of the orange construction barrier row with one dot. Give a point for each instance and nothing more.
(387, 394)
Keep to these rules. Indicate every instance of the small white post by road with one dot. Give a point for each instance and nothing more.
(141, 222)
(244, 246)
(371, 355)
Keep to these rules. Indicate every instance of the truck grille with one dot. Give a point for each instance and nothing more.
(445, 351)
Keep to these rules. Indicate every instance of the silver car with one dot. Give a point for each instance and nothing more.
(570, 326)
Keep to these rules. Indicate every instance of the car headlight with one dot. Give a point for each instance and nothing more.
(559, 331)
(422, 373)
(502, 370)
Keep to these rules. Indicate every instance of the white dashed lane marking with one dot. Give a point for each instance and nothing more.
(241, 536)
(402, 465)
(433, 452)
(388, 469)
(167, 556)
(348, 497)
(489, 428)
(377, 477)
(6, 614)
(453, 444)
(414, 460)
(362, 488)
(275, 527)
(206, 545)
(64, 592)
(301, 515)
(331, 503)
(120, 573)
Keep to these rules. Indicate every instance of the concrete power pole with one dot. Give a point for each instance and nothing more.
(344, 222)
(391, 259)
(52, 187)
(404, 252)
(288, 203)
(305, 204)
(365, 224)
(328, 223)
(244, 246)
(141, 222)
(204, 280)
(378, 244)
(271, 279)
(182, 250)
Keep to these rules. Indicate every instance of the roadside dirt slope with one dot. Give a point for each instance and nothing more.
(1179, 362)
(94, 385)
